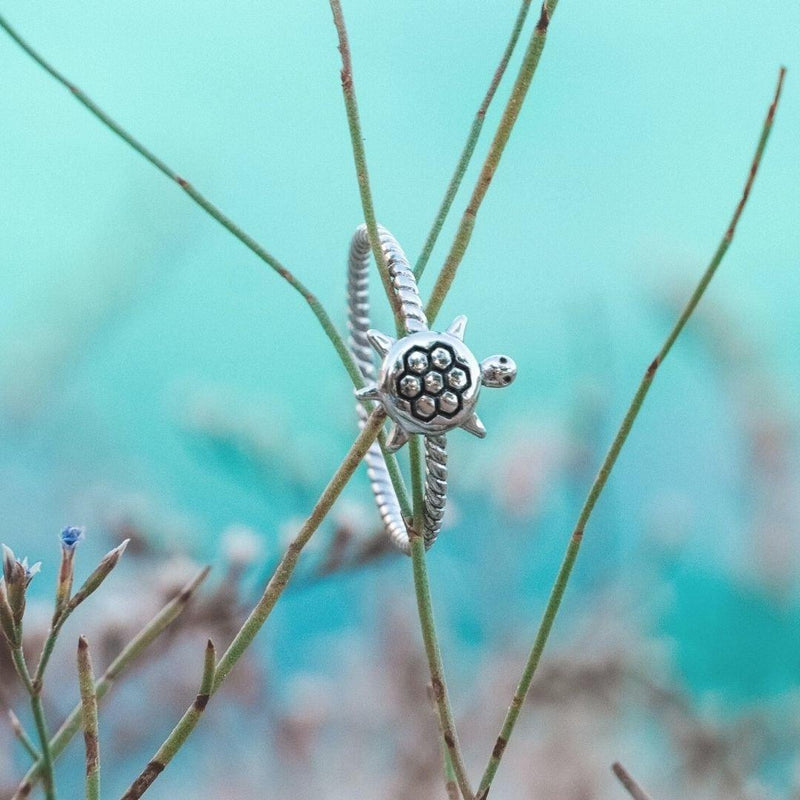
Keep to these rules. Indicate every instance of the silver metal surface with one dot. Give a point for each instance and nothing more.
(359, 324)
(428, 383)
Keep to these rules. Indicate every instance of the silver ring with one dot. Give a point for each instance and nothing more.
(428, 383)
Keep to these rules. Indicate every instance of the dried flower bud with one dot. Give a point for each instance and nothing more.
(70, 538)
(7, 623)
(110, 560)
(18, 576)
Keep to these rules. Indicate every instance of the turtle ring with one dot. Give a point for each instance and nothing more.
(427, 382)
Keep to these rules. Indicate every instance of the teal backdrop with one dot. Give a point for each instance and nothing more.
(148, 361)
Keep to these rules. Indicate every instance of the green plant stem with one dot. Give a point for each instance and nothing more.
(18, 657)
(433, 653)
(316, 307)
(258, 616)
(215, 213)
(504, 128)
(560, 585)
(181, 731)
(360, 159)
(472, 141)
(628, 782)
(455, 771)
(127, 656)
(450, 782)
(417, 481)
(89, 715)
(397, 480)
(64, 609)
(22, 735)
(47, 650)
(48, 781)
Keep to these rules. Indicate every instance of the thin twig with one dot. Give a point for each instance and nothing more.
(360, 159)
(248, 241)
(433, 653)
(316, 306)
(181, 731)
(91, 737)
(277, 583)
(504, 128)
(21, 666)
(454, 761)
(472, 141)
(627, 780)
(557, 593)
(146, 636)
(22, 735)
(450, 782)
(48, 780)
(89, 586)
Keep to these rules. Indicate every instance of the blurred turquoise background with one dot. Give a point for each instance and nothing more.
(153, 370)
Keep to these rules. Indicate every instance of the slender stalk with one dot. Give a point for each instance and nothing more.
(360, 159)
(472, 141)
(433, 653)
(417, 487)
(450, 782)
(627, 780)
(504, 128)
(283, 573)
(90, 585)
(48, 781)
(18, 657)
(127, 656)
(90, 726)
(258, 616)
(215, 213)
(455, 771)
(560, 585)
(181, 731)
(397, 479)
(248, 241)
(22, 735)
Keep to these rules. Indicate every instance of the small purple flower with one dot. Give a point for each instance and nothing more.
(71, 536)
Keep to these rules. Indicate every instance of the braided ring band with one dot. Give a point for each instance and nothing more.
(428, 383)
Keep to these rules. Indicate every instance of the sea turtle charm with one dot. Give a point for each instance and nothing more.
(429, 382)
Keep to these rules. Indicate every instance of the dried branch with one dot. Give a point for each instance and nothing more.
(91, 738)
(600, 480)
(472, 141)
(213, 211)
(360, 159)
(127, 656)
(626, 779)
(181, 731)
(275, 587)
(504, 128)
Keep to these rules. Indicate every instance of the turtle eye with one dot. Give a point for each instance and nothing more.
(503, 360)
(506, 379)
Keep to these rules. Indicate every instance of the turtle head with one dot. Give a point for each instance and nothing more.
(498, 371)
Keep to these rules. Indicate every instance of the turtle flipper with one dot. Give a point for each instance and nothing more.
(397, 437)
(457, 327)
(380, 341)
(368, 393)
(475, 426)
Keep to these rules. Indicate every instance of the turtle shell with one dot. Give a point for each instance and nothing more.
(429, 382)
